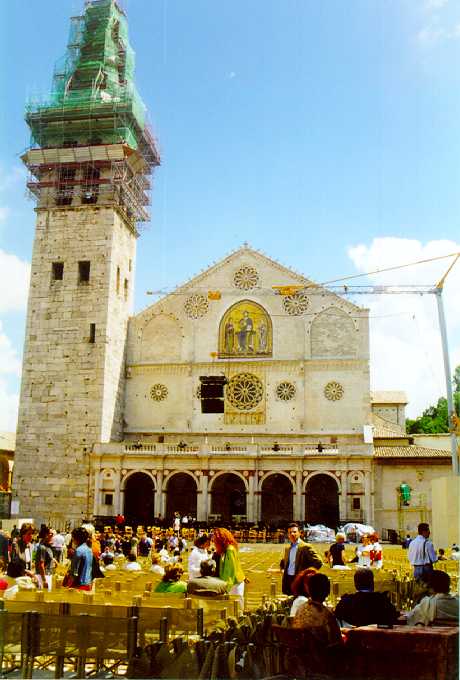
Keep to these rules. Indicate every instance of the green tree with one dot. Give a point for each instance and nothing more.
(434, 419)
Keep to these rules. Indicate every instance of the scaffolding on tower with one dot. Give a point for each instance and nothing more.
(90, 142)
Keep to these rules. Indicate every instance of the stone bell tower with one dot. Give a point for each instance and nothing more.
(90, 158)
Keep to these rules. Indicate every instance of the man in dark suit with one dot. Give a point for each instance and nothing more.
(365, 607)
(297, 557)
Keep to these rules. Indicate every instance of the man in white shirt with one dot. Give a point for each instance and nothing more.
(421, 553)
(441, 606)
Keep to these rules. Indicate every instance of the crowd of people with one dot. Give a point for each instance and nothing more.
(212, 567)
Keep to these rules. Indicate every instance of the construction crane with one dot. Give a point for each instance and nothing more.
(334, 286)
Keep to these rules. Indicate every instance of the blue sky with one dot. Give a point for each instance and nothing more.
(324, 133)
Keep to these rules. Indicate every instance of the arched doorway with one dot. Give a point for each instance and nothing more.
(228, 496)
(181, 495)
(322, 501)
(139, 500)
(276, 500)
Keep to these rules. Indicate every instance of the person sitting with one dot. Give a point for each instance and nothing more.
(299, 588)
(442, 555)
(365, 607)
(207, 584)
(107, 562)
(156, 567)
(171, 583)
(440, 606)
(198, 553)
(17, 579)
(132, 564)
(455, 552)
(315, 616)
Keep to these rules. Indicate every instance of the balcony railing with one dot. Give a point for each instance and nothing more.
(251, 450)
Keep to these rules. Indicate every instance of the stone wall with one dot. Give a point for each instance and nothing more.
(313, 377)
(419, 475)
(72, 388)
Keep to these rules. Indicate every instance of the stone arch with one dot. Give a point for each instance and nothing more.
(272, 472)
(226, 472)
(333, 334)
(175, 472)
(139, 501)
(228, 495)
(245, 330)
(321, 472)
(322, 499)
(130, 473)
(181, 494)
(276, 499)
(161, 339)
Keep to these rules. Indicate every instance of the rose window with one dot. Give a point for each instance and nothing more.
(196, 306)
(244, 391)
(246, 278)
(296, 304)
(285, 391)
(158, 392)
(333, 391)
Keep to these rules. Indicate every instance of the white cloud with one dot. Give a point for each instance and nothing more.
(11, 177)
(9, 359)
(4, 212)
(10, 363)
(434, 5)
(15, 276)
(9, 403)
(406, 348)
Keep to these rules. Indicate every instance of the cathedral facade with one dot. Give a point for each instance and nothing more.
(116, 414)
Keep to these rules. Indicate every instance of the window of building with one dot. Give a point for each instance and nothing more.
(118, 279)
(92, 332)
(126, 289)
(356, 504)
(108, 499)
(57, 271)
(84, 267)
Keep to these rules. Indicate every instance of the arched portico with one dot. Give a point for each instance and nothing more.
(276, 499)
(181, 495)
(139, 503)
(322, 500)
(228, 496)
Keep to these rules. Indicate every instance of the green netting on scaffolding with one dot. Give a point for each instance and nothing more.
(93, 97)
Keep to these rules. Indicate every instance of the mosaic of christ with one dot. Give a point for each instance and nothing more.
(245, 330)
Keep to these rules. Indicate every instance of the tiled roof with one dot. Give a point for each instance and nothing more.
(388, 397)
(385, 429)
(411, 451)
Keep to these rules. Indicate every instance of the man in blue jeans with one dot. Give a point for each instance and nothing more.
(421, 553)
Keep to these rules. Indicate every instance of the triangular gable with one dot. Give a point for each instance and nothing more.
(202, 282)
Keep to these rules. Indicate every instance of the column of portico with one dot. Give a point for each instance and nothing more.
(343, 498)
(203, 498)
(118, 496)
(367, 497)
(160, 496)
(252, 500)
(299, 507)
